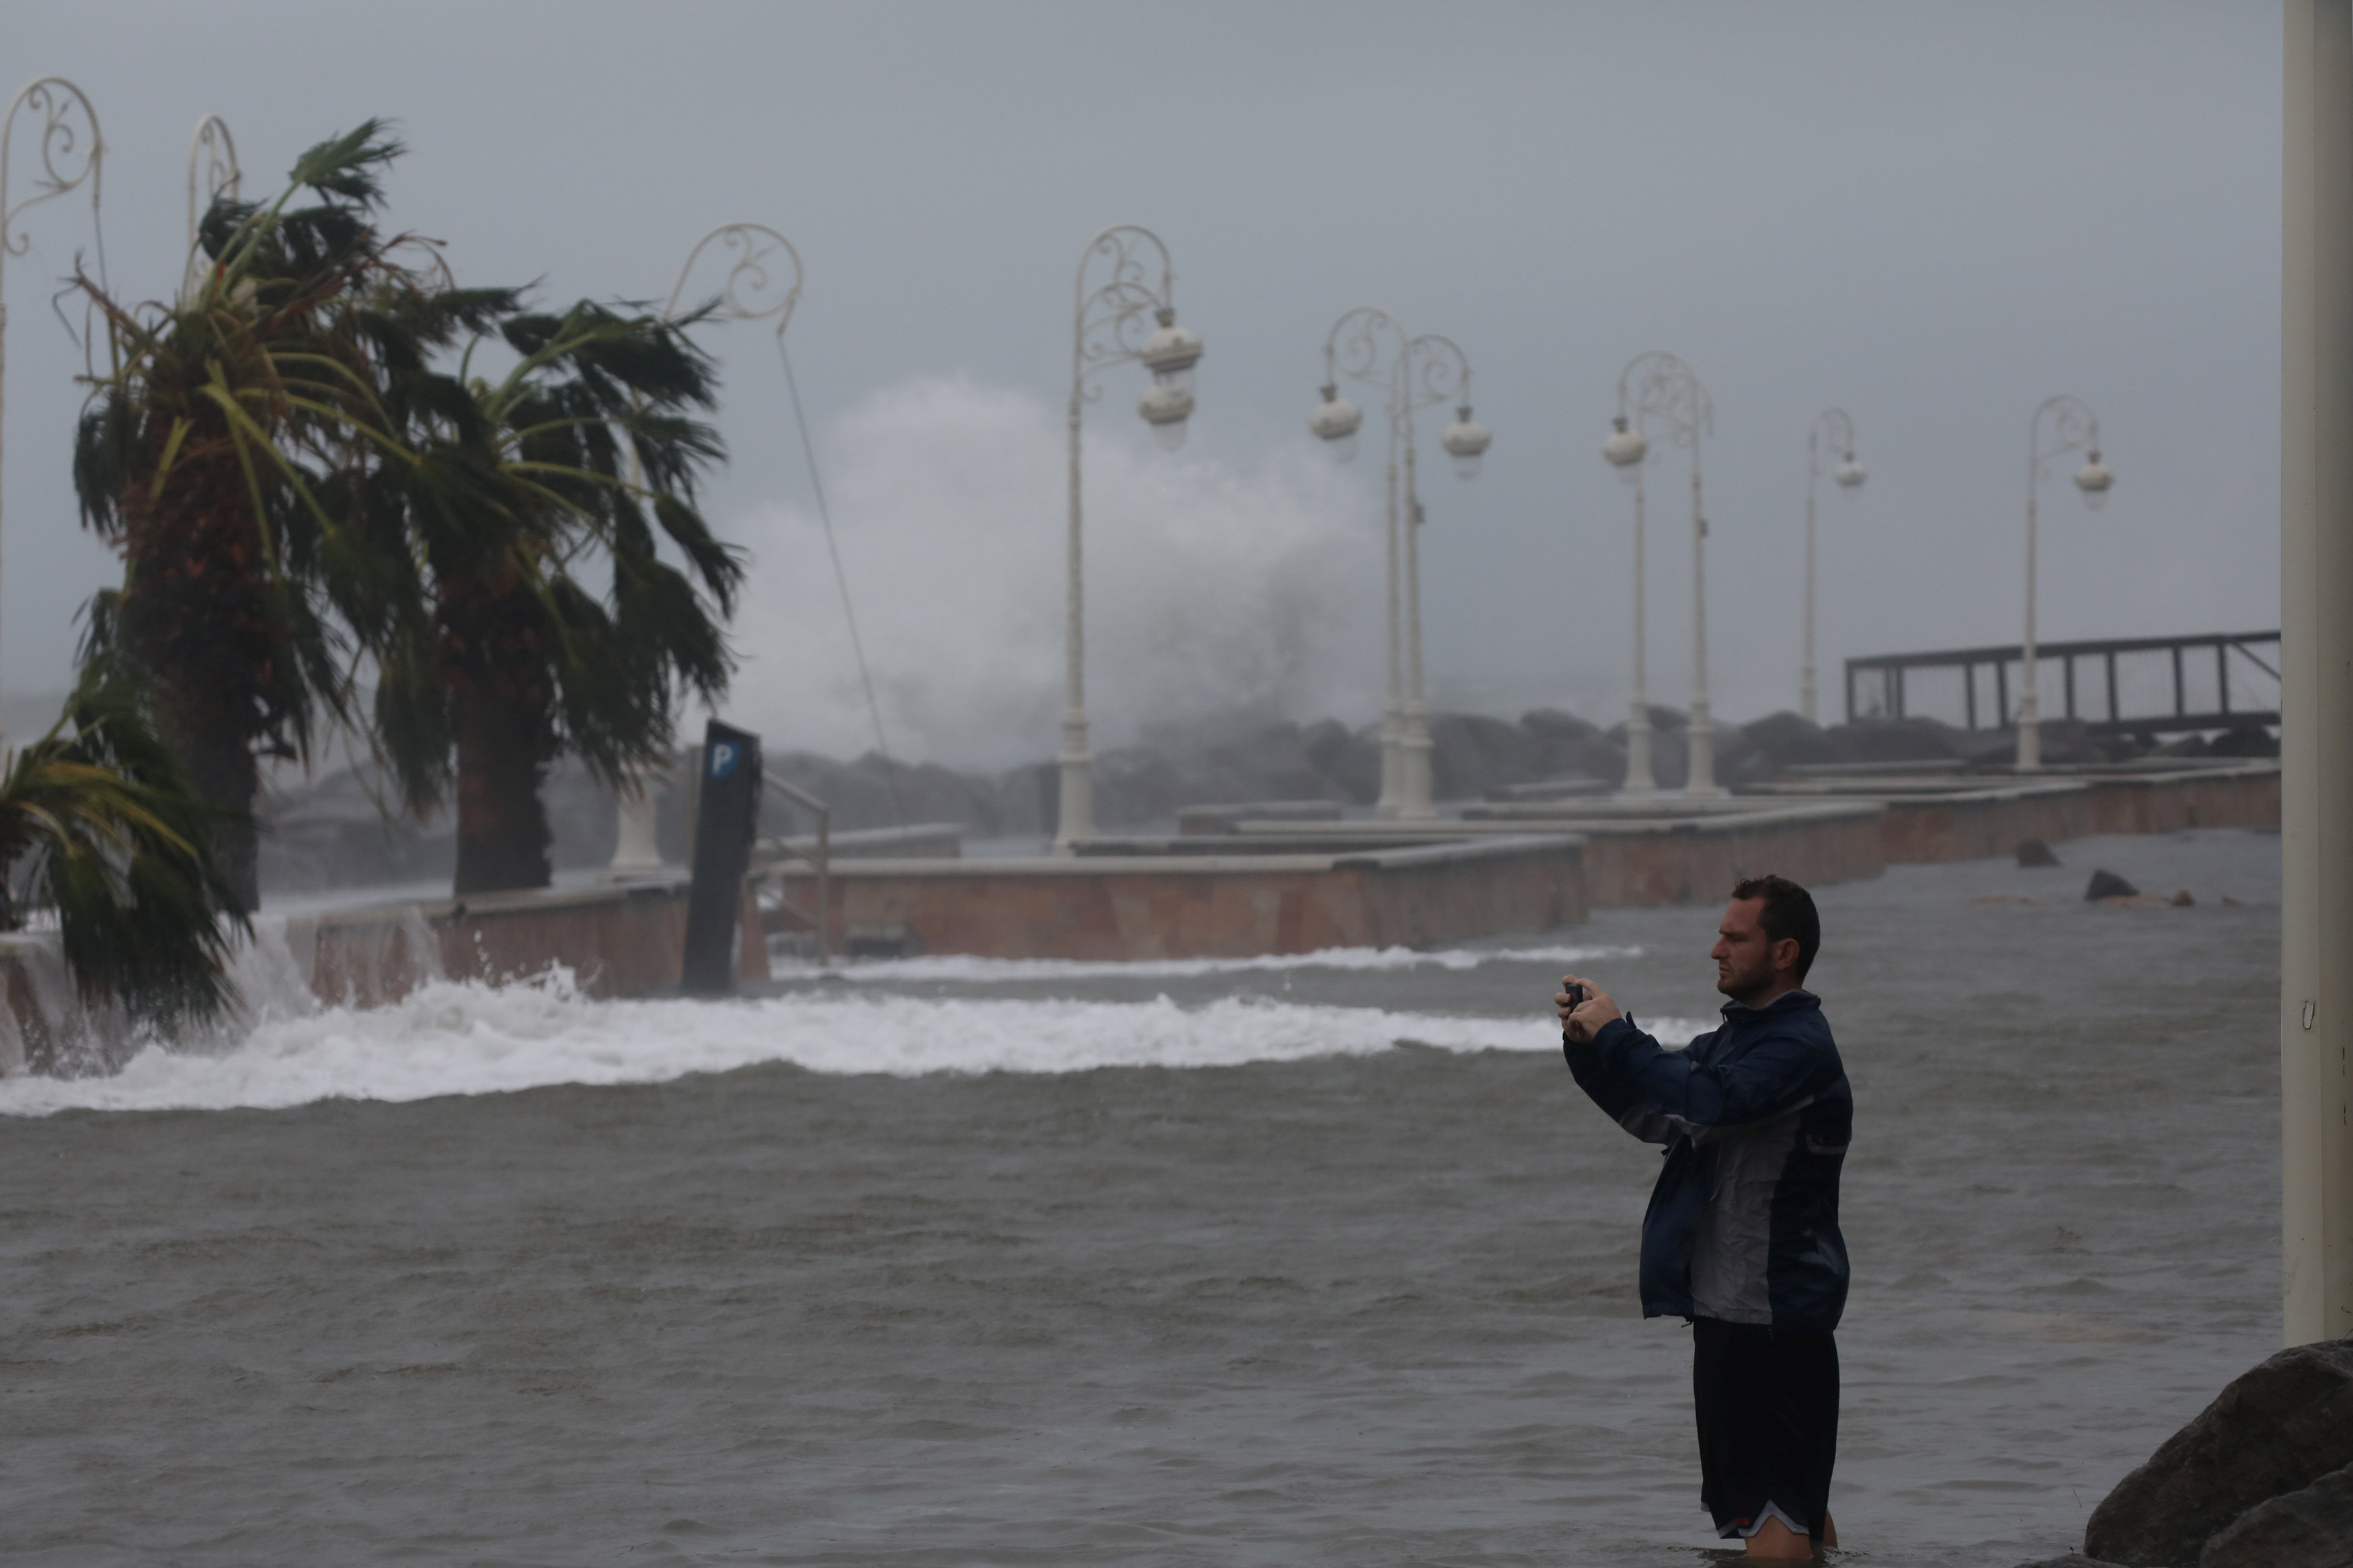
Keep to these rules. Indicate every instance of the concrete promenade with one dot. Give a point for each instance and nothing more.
(1284, 885)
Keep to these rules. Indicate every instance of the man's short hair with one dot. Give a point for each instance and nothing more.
(1788, 911)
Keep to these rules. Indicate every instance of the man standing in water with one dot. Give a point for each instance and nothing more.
(1742, 1236)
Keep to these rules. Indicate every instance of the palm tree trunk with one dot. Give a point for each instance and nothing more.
(212, 745)
(503, 835)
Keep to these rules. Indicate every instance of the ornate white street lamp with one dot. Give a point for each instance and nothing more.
(1658, 392)
(213, 172)
(1369, 345)
(70, 153)
(2071, 427)
(1830, 441)
(1108, 330)
(763, 280)
(1627, 450)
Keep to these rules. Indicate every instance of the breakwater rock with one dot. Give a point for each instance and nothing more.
(2263, 1477)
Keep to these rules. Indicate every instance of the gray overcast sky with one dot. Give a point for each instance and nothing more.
(1934, 215)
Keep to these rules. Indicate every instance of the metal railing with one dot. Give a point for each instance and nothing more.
(2166, 684)
(822, 858)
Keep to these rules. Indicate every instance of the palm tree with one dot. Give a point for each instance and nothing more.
(101, 827)
(225, 453)
(543, 617)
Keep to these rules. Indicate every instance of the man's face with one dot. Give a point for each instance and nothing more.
(1744, 957)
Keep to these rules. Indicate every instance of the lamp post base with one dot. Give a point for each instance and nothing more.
(1413, 760)
(637, 851)
(1638, 777)
(1392, 800)
(1702, 784)
(1074, 814)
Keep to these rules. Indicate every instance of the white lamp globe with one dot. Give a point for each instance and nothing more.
(1626, 449)
(1334, 422)
(2094, 479)
(1165, 408)
(1466, 441)
(1850, 475)
(1171, 353)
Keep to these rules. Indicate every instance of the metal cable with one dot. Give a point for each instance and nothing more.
(841, 581)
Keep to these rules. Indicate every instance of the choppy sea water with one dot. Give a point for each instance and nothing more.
(1302, 1261)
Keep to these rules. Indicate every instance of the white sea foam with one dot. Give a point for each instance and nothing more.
(963, 967)
(471, 1039)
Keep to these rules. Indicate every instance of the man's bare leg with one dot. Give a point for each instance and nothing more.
(1777, 1543)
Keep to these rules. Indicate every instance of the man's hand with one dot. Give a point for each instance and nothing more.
(1590, 1016)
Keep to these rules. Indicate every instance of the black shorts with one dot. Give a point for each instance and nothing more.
(1767, 1402)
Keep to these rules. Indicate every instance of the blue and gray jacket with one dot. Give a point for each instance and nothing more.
(1756, 1117)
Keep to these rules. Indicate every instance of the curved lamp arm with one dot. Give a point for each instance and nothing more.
(1356, 345)
(1833, 434)
(1115, 317)
(70, 155)
(2070, 425)
(764, 280)
(213, 169)
(1438, 371)
(1659, 390)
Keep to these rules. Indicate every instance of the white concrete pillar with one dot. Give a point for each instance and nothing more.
(2316, 673)
(637, 851)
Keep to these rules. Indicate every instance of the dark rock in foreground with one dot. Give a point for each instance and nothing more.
(2103, 885)
(2034, 852)
(2308, 1528)
(2272, 1433)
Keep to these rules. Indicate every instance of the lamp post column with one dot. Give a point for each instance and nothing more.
(763, 281)
(1434, 369)
(1109, 328)
(1702, 781)
(1658, 391)
(1393, 711)
(2073, 427)
(1627, 450)
(1833, 432)
(1806, 707)
(2030, 707)
(68, 157)
(1367, 344)
(1414, 747)
(1640, 780)
(1075, 813)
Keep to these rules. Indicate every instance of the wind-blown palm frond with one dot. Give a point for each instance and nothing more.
(572, 469)
(228, 453)
(119, 845)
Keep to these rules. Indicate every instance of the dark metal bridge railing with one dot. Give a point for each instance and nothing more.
(2119, 686)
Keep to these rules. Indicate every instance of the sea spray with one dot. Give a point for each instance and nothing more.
(468, 1037)
(1212, 588)
(966, 969)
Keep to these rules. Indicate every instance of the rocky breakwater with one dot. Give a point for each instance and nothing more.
(2262, 1478)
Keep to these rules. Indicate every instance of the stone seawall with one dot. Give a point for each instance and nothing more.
(1699, 860)
(624, 939)
(1208, 906)
(1966, 823)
